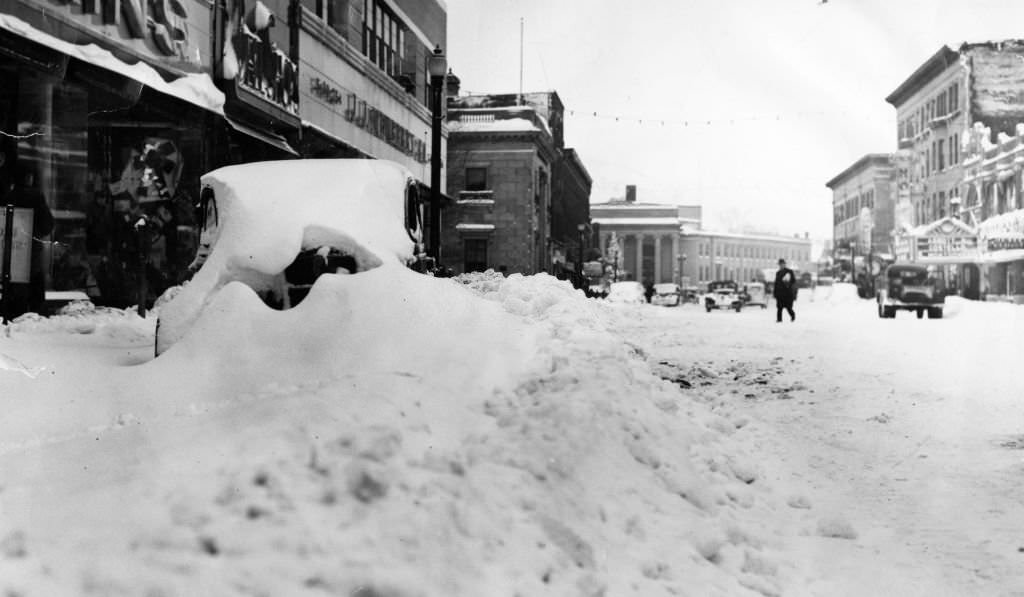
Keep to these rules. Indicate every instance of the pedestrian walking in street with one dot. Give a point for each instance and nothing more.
(784, 291)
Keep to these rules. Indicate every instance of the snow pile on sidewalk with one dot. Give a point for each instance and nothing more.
(838, 293)
(393, 435)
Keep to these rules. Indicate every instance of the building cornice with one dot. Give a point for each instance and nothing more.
(931, 68)
(871, 159)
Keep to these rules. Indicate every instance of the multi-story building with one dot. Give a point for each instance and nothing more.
(994, 187)
(114, 109)
(863, 205)
(571, 231)
(519, 195)
(641, 240)
(940, 100)
(363, 80)
(713, 256)
(500, 159)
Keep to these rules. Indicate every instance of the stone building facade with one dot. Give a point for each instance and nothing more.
(499, 167)
(641, 240)
(519, 195)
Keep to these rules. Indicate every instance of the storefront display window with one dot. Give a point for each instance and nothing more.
(118, 166)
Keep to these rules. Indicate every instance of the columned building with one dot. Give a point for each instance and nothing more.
(641, 240)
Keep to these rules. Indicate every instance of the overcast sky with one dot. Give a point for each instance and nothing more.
(747, 106)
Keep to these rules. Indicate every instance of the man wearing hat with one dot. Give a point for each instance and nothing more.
(784, 291)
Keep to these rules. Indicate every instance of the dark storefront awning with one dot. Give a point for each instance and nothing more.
(267, 137)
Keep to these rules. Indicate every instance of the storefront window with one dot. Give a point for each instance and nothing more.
(118, 166)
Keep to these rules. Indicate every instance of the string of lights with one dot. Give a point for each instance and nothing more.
(695, 121)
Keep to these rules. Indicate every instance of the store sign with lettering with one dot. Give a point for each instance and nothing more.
(370, 119)
(267, 72)
(163, 24)
(1005, 244)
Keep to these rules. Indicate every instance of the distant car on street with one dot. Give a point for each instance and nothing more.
(910, 287)
(722, 294)
(626, 292)
(666, 295)
(754, 294)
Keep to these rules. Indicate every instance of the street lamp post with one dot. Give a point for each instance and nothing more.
(682, 267)
(579, 262)
(438, 66)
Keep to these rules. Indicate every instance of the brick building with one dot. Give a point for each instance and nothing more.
(867, 184)
(519, 194)
(945, 96)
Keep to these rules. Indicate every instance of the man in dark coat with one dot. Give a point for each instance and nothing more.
(17, 188)
(784, 291)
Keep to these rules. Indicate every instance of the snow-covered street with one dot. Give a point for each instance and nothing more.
(398, 435)
(907, 431)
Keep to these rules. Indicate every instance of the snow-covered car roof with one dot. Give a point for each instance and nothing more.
(266, 213)
(267, 208)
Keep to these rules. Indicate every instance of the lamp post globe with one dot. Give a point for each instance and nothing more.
(437, 66)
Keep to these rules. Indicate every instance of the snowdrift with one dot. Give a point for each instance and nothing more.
(392, 435)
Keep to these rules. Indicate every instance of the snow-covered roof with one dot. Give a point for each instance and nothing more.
(197, 89)
(509, 125)
(655, 221)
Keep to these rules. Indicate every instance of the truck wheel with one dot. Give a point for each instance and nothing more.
(889, 312)
(920, 313)
(935, 313)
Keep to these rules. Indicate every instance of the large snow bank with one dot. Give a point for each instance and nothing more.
(394, 434)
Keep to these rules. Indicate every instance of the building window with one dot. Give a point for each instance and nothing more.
(476, 179)
(334, 12)
(474, 254)
(383, 37)
(941, 154)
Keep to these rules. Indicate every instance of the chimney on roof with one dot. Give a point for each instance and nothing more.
(631, 193)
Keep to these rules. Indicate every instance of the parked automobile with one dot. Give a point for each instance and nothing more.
(666, 295)
(626, 292)
(722, 294)
(278, 226)
(911, 287)
(754, 294)
(691, 294)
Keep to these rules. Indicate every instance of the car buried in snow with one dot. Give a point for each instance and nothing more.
(276, 227)
(910, 287)
(626, 292)
(722, 294)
